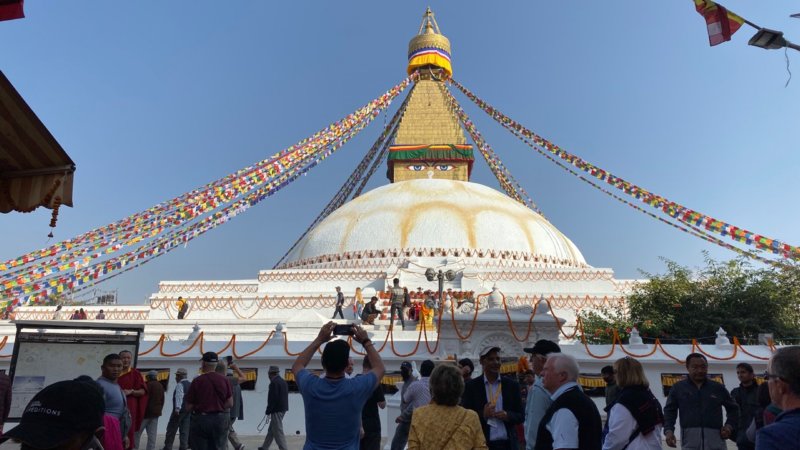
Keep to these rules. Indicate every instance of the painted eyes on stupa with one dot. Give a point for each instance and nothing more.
(439, 167)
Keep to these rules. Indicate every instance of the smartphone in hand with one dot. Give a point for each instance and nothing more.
(344, 330)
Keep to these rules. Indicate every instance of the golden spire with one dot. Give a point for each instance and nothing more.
(429, 142)
(429, 48)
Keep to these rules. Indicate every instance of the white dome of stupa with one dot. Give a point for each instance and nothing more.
(435, 217)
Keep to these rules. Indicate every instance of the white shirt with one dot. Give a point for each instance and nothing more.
(564, 425)
(620, 426)
(178, 395)
(497, 429)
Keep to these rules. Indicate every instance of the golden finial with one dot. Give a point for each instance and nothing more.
(429, 23)
(429, 47)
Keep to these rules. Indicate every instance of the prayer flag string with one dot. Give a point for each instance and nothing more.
(668, 207)
(504, 177)
(27, 278)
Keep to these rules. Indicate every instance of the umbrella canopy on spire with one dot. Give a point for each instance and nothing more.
(429, 47)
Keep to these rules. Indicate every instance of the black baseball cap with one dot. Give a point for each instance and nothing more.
(58, 413)
(210, 357)
(543, 347)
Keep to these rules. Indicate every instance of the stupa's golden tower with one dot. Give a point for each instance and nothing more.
(429, 142)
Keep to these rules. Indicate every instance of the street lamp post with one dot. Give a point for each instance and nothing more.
(441, 276)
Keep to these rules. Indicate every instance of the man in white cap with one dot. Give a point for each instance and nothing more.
(277, 405)
(179, 418)
(497, 400)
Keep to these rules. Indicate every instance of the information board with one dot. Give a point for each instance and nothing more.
(46, 353)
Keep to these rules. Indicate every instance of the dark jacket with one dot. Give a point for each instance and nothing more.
(590, 426)
(747, 399)
(783, 434)
(474, 398)
(5, 397)
(369, 308)
(277, 396)
(700, 407)
(155, 399)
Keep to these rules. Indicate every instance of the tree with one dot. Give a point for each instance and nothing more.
(683, 304)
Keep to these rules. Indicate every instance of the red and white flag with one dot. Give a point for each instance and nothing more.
(720, 22)
(11, 9)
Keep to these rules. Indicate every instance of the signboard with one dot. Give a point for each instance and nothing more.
(46, 352)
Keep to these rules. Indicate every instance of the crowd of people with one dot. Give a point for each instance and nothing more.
(115, 410)
(443, 406)
(367, 312)
(401, 302)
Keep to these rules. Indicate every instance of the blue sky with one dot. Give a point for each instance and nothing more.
(152, 99)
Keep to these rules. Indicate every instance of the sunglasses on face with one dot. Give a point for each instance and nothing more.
(771, 376)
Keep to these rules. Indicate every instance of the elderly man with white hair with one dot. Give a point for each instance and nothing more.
(572, 421)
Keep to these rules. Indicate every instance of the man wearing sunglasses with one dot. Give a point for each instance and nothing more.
(783, 376)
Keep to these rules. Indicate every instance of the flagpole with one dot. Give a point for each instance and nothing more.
(750, 23)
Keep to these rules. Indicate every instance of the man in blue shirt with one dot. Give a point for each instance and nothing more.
(783, 376)
(538, 399)
(333, 403)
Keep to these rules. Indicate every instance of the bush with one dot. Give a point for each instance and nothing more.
(683, 304)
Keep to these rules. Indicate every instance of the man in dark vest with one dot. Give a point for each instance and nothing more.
(179, 417)
(397, 300)
(572, 421)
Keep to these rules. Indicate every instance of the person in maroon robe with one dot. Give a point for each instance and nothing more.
(132, 383)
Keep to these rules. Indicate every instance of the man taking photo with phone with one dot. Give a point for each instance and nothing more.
(333, 404)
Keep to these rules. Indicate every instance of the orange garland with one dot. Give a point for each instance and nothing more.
(389, 338)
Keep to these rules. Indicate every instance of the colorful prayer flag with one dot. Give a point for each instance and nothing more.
(720, 22)
(11, 9)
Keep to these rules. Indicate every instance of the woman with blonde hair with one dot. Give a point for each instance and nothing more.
(358, 303)
(635, 419)
(443, 425)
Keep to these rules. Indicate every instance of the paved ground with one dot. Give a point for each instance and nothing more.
(296, 443)
(253, 442)
(250, 442)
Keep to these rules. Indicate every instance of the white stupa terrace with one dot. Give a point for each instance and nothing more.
(507, 259)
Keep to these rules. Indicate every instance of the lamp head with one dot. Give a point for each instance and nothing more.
(430, 274)
(768, 39)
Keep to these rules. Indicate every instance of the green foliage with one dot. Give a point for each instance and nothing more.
(684, 304)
